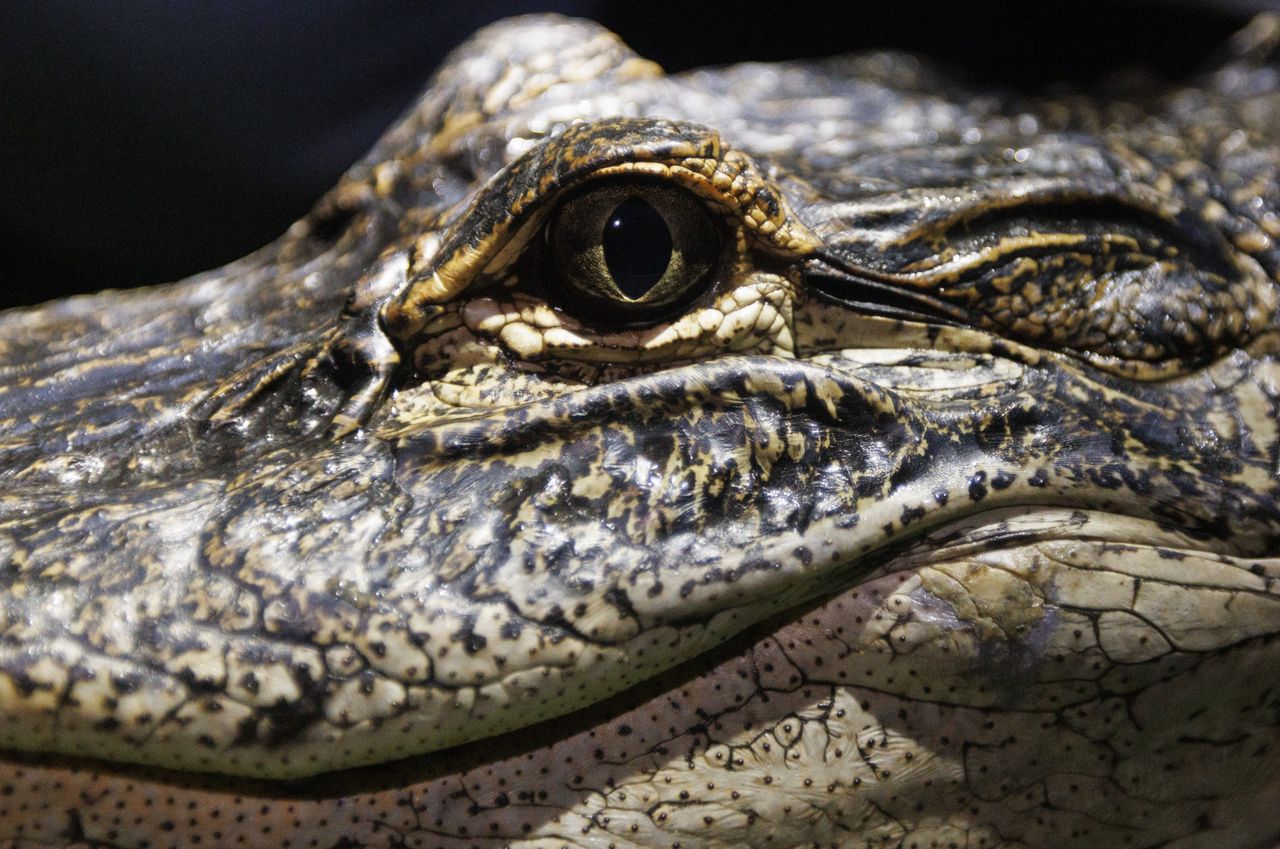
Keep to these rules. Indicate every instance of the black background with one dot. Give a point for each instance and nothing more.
(144, 141)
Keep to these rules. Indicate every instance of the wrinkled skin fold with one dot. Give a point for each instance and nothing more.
(944, 510)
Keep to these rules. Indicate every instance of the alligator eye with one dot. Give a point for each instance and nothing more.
(630, 253)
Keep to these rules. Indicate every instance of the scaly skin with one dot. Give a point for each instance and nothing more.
(947, 515)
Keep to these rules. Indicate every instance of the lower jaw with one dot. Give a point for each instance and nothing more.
(1028, 676)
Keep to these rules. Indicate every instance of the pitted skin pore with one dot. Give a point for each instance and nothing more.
(947, 515)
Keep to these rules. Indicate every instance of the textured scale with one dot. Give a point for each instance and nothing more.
(947, 515)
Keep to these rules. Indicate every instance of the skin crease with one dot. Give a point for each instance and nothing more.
(943, 512)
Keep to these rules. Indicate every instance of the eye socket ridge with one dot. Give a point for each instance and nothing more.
(626, 253)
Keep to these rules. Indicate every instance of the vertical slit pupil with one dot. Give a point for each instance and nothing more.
(637, 247)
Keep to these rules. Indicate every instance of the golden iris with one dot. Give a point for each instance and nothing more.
(630, 253)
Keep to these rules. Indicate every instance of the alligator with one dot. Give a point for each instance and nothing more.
(824, 454)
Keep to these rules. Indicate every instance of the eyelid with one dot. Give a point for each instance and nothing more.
(506, 212)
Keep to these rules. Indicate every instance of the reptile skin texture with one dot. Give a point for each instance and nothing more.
(824, 454)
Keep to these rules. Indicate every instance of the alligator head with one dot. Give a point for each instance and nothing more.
(819, 454)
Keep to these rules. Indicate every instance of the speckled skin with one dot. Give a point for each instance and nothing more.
(949, 515)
